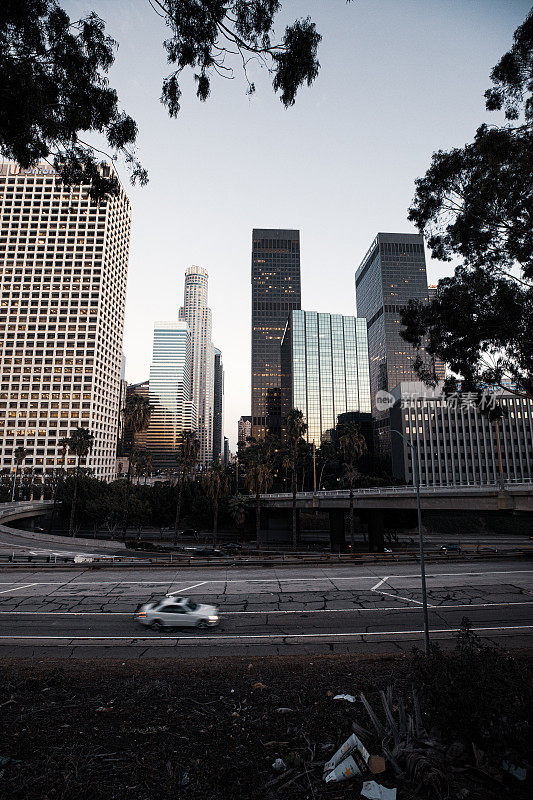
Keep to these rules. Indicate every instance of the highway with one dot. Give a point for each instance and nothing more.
(77, 612)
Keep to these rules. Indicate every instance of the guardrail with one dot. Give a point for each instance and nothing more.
(384, 490)
(283, 559)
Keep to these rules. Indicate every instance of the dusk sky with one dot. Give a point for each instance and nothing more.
(399, 79)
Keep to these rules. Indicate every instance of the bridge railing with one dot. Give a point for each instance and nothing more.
(386, 490)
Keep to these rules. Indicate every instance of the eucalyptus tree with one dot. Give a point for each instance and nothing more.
(352, 446)
(80, 444)
(187, 459)
(55, 92)
(474, 204)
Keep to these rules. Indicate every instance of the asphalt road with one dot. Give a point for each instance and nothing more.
(87, 613)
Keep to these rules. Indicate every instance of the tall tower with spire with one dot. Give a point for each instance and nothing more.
(197, 314)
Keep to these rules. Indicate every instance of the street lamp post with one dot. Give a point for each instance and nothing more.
(416, 476)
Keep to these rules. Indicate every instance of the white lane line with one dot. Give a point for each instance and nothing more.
(377, 609)
(230, 637)
(400, 597)
(16, 588)
(187, 588)
(283, 579)
(378, 584)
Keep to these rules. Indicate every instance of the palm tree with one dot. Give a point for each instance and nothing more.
(216, 484)
(258, 479)
(295, 428)
(187, 457)
(20, 455)
(352, 446)
(137, 412)
(80, 444)
(60, 472)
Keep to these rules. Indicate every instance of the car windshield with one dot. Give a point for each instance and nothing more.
(191, 605)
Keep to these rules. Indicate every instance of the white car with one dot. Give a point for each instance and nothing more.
(177, 612)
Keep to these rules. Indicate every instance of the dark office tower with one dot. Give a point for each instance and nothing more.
(392, 272)
(275, 293)
(218, 408)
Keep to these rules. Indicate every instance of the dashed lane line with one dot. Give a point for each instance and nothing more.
(248, 636)
(187, 588)
(379, 609)
(16, 588)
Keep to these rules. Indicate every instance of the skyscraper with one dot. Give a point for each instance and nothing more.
(218, 408)
(439, 365)
(63, 271)
(170, 393)
(275, 293)
(325, 371)
(197, 314)
(392, 272)
(244, 431)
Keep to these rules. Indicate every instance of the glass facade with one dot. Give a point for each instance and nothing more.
(325, 370)
(170, 393)
(218, 408)
(392, 272)
(275, 293)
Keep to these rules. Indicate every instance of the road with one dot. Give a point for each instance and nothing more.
(87, 613)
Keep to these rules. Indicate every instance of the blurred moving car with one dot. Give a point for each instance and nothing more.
(450, 548)
(177, 612)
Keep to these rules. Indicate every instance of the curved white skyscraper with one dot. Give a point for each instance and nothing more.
(197, 314)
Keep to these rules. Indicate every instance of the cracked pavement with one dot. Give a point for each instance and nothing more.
(82, 612)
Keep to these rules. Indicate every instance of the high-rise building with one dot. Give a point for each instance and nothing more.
(63, 272)
(170, 393)
(392, 272)
(325, 371)
(275, 293)
(244, 431)
(197, 314)
(455, 443)
(218, 408)
(438, 364)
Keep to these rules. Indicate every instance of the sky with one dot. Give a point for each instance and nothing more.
(399, 79)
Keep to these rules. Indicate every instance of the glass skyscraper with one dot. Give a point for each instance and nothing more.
(392, 272)
(325, 370)
(275, 293)
(170, 393)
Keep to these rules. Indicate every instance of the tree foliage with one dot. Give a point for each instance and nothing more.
(476, 203)
(54, 88)
(55, 91)
(206, 34)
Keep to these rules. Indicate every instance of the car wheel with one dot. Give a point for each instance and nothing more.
(157, 625)
(202, 623)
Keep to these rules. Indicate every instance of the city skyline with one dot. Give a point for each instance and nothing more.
(342, 169)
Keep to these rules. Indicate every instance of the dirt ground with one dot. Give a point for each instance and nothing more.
(205, 729)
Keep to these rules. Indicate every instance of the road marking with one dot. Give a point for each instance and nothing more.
(187, 588)
(400, 597)
(378, 584)
(229, 637)
(280, 579)
(371, 610)
(16, 588)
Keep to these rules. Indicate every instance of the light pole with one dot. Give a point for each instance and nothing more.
(416, 477)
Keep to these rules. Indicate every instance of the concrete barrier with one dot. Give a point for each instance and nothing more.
(69, 542)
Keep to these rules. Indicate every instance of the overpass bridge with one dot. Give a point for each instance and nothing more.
(514, 496)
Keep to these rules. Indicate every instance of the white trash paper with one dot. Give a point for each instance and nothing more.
(351, 745)
(349, 697)
(345, 770)
(375, 791)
